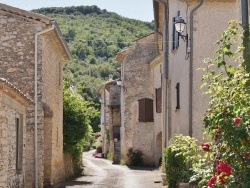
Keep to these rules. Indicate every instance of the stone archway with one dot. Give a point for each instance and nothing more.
(158, 149)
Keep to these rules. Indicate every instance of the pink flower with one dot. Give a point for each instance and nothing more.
(211, 182)
(237, 120)
(223, 167)
(205, 146)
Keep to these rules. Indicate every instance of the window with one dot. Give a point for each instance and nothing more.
(19, 143)
(158, 99)
(146, 110)
(175, 35)
(177, 96)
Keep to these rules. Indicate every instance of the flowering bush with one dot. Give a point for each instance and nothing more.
(135, 157)
(227, 82)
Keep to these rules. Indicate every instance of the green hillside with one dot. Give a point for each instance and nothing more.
(94, 37)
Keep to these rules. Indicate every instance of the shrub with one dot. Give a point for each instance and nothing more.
(135, 157)
(176, 169)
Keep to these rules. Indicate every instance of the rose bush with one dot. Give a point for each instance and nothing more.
(227, 82)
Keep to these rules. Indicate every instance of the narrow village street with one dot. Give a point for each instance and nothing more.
(101, 173)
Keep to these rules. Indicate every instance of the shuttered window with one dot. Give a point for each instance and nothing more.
(177, 96)
(158, 100)
(175, 34)
(146, 110)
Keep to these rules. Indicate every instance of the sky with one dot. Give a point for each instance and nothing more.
(137, 9)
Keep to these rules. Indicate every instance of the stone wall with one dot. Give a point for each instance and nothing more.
(10, 176)
(17, 66)
(53, 100)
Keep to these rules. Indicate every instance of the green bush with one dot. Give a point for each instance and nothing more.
(176, 170)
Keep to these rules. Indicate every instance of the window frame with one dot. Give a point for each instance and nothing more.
(178, 96)
(19, 142)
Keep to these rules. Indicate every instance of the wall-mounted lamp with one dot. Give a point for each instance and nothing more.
(180, 26)
(119, 83)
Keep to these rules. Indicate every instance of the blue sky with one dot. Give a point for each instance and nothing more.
(137, 9)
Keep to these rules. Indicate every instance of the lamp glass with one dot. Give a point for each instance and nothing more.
(179, 24)
(119, 82)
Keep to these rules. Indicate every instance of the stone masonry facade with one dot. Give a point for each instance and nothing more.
(12, 136)
(137, 84)
(17, 52)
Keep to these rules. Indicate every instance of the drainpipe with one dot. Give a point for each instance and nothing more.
(36, 61)
(165, 77)
(190, 131)
(245, 25)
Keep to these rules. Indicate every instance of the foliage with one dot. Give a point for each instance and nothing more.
(200, 163)
(135, 157)
(110, 156)
(107, 134)
(94, 37)
(77, 114)
(227, 121)
(175, 157)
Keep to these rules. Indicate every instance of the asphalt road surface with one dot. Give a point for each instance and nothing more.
(101, 173)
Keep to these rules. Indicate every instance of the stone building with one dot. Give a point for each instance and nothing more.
(110, 119)
(141, 100)
(13, 105)
(32, 53)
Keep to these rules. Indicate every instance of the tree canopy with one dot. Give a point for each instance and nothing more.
(94, 37)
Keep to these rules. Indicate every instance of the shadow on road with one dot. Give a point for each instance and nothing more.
(142, 168)
(71, 183)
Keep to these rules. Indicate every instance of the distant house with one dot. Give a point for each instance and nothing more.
(110, 118)
(182, 54)
(13, 105)
(141, 100)
(32, 53)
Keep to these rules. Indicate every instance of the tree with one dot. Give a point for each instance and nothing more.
(77, 115)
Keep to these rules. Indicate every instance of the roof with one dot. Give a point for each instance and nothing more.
(40, 18)
(26, 14)
(4, 82)
(121, 54)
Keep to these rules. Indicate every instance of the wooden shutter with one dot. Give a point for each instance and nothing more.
(142, 110)
(158, 99)
(146, 110)
(149, 110)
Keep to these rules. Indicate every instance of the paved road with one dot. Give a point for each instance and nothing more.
(101, 173)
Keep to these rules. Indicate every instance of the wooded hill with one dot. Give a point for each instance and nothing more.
(94, 37)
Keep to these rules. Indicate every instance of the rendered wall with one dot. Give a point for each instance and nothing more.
(209, 21)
